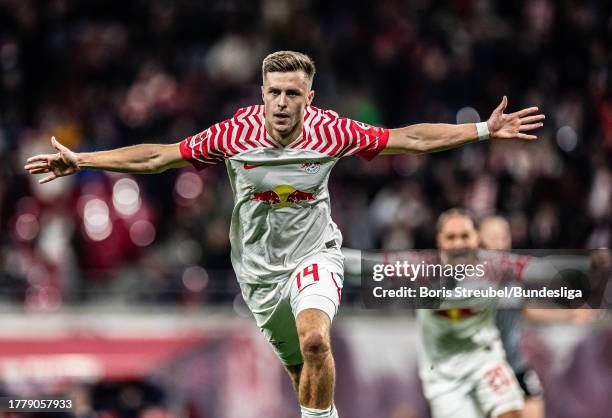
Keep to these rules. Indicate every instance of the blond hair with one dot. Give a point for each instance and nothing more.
(287, 61)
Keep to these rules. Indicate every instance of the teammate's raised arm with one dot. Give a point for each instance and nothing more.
(432, 137)
(143, 159)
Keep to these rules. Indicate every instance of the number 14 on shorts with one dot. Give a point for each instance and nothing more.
(307, 277)
(498, 379)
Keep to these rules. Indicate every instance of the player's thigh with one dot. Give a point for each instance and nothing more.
(455, 404)
(496, 390)
(273, 314)
(317, 284)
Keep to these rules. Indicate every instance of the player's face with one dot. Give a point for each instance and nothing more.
(285, 97)
(457, 233)
(495, 235)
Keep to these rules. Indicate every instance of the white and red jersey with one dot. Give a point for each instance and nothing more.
(282, 208)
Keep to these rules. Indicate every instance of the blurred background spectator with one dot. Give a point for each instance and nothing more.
(101, 75)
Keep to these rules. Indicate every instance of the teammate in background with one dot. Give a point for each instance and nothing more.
(494, 232)
(461, 360)
(285, 247)
(462, 364)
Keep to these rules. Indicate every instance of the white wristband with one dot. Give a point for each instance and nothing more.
(483, 131)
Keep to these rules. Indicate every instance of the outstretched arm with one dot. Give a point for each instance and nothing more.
(143, 159)
(431, 137)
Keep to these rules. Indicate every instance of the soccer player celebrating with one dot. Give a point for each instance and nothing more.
(285, 247)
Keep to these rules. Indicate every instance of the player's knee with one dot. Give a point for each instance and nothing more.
(315, 347)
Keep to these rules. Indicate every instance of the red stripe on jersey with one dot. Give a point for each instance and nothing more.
(267, 141)
(338, 134)
(186, 151)
(308, 115)
(316, 116)
(241, 127)
(357, 139)
(313, 114)
(223, 141)
(261, 136)
(242, 130)
(361, 140)
(259, 122)
(230, 138)
(249, 130)
(334, 143)
(195, 143)
(200, 152)
(307, 139)
(205, 141)
(338, 288)
(253, 119)
(248, 137)
(346, 142)
(328, 136)
(214, 143)
(302, 139)
(240, 111)
(192, 155)
(257, 135)
(317, 129)
(340, 138)
(373, 151)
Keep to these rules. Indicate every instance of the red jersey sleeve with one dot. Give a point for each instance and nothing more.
(362, 139)
(214, 144)
(204, 149)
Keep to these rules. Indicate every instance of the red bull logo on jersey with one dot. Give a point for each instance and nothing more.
(283, 196)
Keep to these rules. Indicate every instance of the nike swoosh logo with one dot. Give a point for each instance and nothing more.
(250, 167)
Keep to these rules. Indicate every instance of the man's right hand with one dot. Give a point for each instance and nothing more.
(64, 163)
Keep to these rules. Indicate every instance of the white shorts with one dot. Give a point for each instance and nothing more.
(315, 284)
(489, 390)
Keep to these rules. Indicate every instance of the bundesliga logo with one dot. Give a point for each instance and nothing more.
(311, 168)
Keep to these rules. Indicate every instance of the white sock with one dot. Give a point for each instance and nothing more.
(330, 412)
(334, 412)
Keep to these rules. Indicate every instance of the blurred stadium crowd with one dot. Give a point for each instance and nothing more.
(100, 75)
